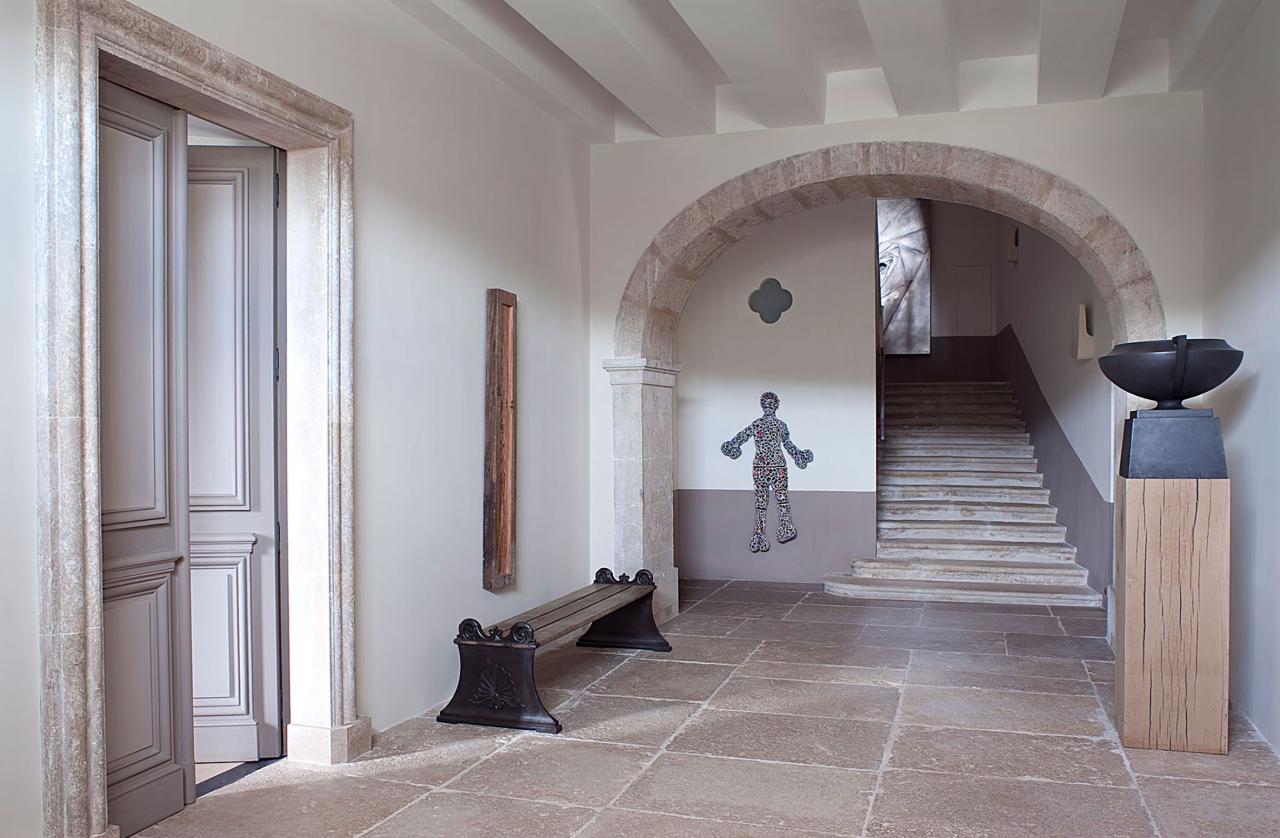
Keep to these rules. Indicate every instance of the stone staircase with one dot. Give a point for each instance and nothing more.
(963, 512)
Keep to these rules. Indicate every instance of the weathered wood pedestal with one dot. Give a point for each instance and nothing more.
(1172, 614)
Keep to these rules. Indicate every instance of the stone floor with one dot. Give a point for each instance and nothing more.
(785, 712)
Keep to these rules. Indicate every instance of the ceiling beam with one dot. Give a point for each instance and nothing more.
(1202, 37)
(1077, 44)
(772, 69)
(913, 39)
(635, 49)
(493, 35)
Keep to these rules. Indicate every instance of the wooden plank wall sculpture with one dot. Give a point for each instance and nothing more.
(1172, 614)
(500, 442)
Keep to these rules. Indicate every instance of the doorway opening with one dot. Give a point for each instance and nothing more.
(82, 42)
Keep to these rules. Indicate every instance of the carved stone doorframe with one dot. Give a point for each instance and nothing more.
(79, 41)
(643, 370)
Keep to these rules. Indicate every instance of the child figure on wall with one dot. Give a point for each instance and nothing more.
(769, 469)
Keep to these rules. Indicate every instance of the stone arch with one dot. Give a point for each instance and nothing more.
(643, 370)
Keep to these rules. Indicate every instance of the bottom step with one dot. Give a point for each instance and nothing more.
(852, 585)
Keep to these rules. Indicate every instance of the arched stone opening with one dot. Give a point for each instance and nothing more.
(643, 370)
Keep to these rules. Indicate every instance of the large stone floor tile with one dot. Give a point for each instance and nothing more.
(1188, 809)
(807, 698)
(664, 679)
(731, 594)
(799, 631)
(1002, 665)
(831, 654)
(980, 621)
(877, 676)
(288, 802)
(426, 752)
(692, 647)
(841, 743)
(572, 668)
(933, 639)
(861, 602)
(864, 615)
(914, 804)
(1101, 672)
(769, 610)
(1066, 759)
(557, 770)
(941, 676)
(1069, 715)
(464, 815)
(624, 720)
(1247, 761)
(1080, 648)
(987, 608)
(1077, 627)
(765, 793)
(698, 624)
(747, 584)
(626, 823)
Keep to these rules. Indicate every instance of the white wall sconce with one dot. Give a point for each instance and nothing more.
(1083, 347)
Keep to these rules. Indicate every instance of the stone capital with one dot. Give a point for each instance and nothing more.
(641, 371)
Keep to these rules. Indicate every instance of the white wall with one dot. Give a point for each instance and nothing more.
(19, 676)
(1242, 304)
(819, 357)
(461, 185)
(964, 249)
(1140, 156)
(1039, 297)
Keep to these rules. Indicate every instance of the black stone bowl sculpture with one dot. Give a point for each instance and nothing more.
(1169, 371)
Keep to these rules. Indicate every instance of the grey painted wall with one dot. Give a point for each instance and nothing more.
(713, 526)
(1089, 519)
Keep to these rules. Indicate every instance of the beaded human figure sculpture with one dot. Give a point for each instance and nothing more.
(769, 469)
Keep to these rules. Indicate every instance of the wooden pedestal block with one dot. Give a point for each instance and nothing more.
(1172, 610)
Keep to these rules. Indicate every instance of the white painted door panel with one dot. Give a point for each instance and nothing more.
(231, 353)
(145, 550)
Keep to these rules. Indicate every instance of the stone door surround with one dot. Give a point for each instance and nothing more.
(643, 371)
(78, 41)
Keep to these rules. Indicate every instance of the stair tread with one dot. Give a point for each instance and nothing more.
(848, 584)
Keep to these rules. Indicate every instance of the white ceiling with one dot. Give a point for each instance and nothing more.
(629, 69)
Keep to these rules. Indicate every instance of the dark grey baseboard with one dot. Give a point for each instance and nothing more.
(713, 528)
(1090, 520)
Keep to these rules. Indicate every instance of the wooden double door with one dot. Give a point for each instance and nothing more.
(189, 403)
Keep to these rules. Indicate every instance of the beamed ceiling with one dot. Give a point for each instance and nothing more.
(618, 70)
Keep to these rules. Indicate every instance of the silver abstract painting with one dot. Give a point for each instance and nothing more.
(903, 235)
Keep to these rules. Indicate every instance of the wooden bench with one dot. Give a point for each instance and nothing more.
(496, 685)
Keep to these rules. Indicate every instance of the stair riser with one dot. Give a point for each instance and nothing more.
(952, 419)
(1039, 553)
(976, 577)
(985, 452)
(955, 512)
(836, 586)
(917, 438)
(1036, 533)
(970, 495)
(928, 478)
(935, 464)
(931, 409)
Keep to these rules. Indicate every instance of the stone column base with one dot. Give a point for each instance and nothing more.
(112, 832)
(329, 745)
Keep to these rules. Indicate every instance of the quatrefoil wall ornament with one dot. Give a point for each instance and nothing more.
(769, 300)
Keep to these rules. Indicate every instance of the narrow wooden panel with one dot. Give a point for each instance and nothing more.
(1173, 610)
(500, 442)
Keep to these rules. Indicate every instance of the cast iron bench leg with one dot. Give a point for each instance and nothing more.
(495, 685)
(631, 626)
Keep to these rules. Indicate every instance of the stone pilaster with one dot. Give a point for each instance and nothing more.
(644, 473)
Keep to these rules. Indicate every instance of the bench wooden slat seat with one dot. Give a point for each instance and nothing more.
(495, 682)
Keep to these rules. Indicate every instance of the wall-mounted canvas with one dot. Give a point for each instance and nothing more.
(902, 228)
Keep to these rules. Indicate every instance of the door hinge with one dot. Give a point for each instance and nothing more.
(277, 539)
(277, 189)
(276, 364)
